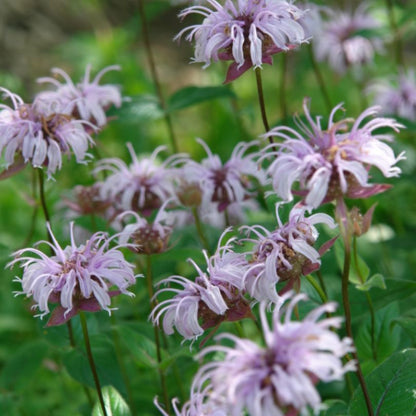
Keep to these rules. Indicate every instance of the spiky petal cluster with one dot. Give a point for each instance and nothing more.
(194, 407)
(284, 254)
(339, 42)
(224, 184)
(247, 32)
(41, 134)
(76, 277)
(146, 237)
(335, 161)
(87, 100)
(213, 297)
(142, 186)
(397, 95)
(280, 378)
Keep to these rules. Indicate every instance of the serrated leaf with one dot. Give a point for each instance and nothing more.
(376, 280)
(391, 387)
(22, 364)
(113, 402)
(189, 96)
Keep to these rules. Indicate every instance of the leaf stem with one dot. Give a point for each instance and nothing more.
(317, 288)
(155, 77)
(200, 229)
(91, 361)
(43, 202)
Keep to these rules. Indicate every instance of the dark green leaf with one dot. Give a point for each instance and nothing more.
(335, 408)
(397, 289)
(189, 96)
(408, 323)
(391, 387)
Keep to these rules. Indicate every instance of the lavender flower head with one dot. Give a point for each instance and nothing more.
(283, 255)
(397, 95)
(280, 378)
(147, 238)
(194, 407)
(143, 186)
(76, 277)
(213, 297)
(224, 184)
(247, 32)
(338, 40)
(87, 100)
(334, 162)
(41, 134)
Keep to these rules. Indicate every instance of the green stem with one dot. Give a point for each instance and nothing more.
(261, 101)
(200, 229)
(317, 288)
(155, 77)
(322, 282)
(91, 361)
(283, 81)
(320, 79)
(43, 201)
(149, 281)
(345, 299)
(398, 46)
(119, 355)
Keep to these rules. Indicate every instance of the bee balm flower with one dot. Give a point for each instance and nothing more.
(76, 277)
(247, 32)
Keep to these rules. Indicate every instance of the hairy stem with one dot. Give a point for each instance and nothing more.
(91, 361)
(149, 281)
(155, 77)
(261, 101)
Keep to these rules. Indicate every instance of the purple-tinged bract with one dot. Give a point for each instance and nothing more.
(76, 277)
(247, 32)
(334, 162)
(280, 378)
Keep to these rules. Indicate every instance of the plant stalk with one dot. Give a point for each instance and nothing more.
(261, 101)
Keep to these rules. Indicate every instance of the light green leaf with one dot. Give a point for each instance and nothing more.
(376, 280)
(113, 402)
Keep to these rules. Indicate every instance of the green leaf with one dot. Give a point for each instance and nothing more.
(386, 338)
(334, 408)
(376, 280)
(22, 364)
(77, 365)
(140, 108)
(397, 289)
(189, 96)
(113, 402)
(408, 323)
(391, 387)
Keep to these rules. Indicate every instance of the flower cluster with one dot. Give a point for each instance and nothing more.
(335, 161)
(75, 277)
(247, 32)
(280, 378)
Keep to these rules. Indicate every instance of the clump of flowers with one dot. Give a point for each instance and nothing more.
(397, 95)
(283, 255)
(339, 42)
(142, 186)
(280, 378)
(334, 162)
(213, 297)
(247, 32)
(87, 100)
(75, 277)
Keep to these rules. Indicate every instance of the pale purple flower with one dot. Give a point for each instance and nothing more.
(339, 42)
(76, 277)
(142, 186)
(280, 378)
(194, 407)
(247, 32)
(224, 184)
(335, 161)
(214, 295)
(284, 254)
(147, 237)
(87, 100)
(41, 136)
(397, 95)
